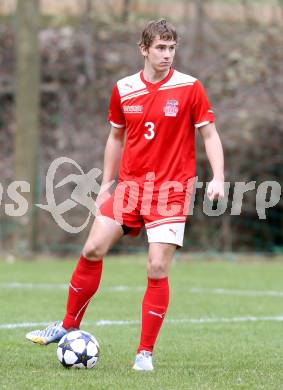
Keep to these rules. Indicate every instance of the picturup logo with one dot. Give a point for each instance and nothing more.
(84, 187)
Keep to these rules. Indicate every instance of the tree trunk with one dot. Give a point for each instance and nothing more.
(199, 28)
(27, 117)
(87, 28)
(126, 11)
(248, 13)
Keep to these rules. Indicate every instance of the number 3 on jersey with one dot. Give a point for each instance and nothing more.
(150, 130)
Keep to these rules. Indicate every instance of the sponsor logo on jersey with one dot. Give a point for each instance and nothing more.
(171, 108)
(133, 109)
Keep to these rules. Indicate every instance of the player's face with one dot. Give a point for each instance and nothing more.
(160, 54)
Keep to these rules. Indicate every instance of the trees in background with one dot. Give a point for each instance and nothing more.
(27, 146)
(239, 63)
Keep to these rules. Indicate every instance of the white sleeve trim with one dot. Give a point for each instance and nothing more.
(116, 125)
(197, 125)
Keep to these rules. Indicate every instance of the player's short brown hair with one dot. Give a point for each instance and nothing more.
(154, 28)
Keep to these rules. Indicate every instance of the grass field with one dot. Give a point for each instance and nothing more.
(224, 327)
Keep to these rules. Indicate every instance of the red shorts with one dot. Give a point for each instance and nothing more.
(133, 209)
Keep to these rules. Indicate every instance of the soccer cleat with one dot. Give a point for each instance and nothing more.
(143, 361)
(52, 334)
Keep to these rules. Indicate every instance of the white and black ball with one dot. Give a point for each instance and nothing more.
(78, 349)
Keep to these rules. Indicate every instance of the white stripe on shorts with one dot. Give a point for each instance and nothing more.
(165, 220)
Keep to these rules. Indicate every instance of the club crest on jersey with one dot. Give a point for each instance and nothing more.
(171, 108)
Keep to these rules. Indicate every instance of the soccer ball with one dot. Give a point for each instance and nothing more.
(78, 349)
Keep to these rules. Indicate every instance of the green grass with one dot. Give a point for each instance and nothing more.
(216, 355)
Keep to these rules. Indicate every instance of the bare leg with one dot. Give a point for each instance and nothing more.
(104, 233)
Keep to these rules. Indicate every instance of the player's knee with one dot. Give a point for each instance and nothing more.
(156, 268)
(94, 251)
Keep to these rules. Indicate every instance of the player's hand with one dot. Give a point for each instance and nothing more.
(215, 189)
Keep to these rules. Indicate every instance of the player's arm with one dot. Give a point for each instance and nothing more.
(112, 157)
(214, 152)
(114, 145)
(113, 153)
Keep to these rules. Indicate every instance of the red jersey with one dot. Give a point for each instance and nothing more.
(160, 121)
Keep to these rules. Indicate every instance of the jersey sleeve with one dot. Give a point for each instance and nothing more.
(201, 112)
(115, 113)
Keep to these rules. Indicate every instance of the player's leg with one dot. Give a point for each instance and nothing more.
(86, 277)
(84, 281)
(155, 301)
(164, 236)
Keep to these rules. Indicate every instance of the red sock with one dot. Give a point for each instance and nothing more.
(154, 307)
(83, 285)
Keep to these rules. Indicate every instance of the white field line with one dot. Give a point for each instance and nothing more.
(223, 291)
(36, 286)
(61, 286)
(205, 320)
(195, 290)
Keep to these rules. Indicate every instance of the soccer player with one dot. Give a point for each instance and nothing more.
(153, 116)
